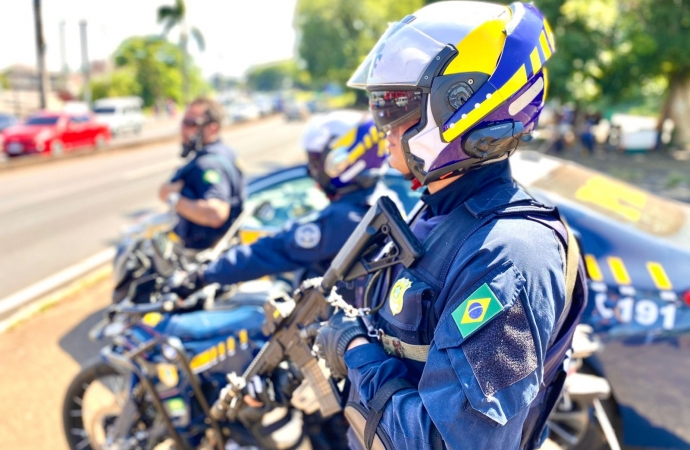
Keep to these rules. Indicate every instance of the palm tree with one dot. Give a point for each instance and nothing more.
(176, 16)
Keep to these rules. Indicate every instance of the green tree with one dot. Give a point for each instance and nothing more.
(272, 76)
(336, 35)
(122, 83)
(155, 63)
(176, 17)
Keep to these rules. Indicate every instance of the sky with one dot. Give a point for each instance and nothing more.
(238, 33)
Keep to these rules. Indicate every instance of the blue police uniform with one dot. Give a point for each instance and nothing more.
(307, 243)
(212, 173)
(485, 301)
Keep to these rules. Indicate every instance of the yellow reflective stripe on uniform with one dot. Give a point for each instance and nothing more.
(544, 45)
(516, 82)
(535, 59)
(480, 50)
(593, 268)
(659, 276)
(620, 273)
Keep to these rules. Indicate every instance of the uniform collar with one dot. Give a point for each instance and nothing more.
(208, 148)
(466, 187)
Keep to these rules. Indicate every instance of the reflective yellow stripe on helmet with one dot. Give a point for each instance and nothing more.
(480, 49)
(514, 84)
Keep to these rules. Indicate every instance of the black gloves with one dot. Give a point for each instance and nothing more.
(275, 390)
(184, 284)
(333, 339)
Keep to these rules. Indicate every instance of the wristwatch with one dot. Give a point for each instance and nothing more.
(173, 198)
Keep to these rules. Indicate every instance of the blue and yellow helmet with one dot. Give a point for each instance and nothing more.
(345, 150)
(470, 73)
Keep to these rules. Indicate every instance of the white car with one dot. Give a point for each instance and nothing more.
(240, 111)
(121, 114)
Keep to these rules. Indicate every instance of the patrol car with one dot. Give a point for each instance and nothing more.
(637, 252)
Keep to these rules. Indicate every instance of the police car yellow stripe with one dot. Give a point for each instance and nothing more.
(659, 276)
(517, 81)
(593, 268)
(620, 273)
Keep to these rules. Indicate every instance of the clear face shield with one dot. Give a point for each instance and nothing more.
(398, 74)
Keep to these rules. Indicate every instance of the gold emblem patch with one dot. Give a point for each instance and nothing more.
(397, 294)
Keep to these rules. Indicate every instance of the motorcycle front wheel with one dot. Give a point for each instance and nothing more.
(93, 402)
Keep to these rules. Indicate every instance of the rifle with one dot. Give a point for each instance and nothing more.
(288, 322)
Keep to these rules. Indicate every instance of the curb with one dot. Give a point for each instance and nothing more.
(24, 304)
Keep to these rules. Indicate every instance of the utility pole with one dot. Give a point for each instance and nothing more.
(40, 55)
(85, 66)
(63, 56)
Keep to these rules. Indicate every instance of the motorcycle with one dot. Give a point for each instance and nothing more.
(582, 419)
(166, 364)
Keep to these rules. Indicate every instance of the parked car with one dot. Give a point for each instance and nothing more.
(7, 121)
(121, 114)
(241, 110)
(54, 132)
(294, 110)
(637, 253)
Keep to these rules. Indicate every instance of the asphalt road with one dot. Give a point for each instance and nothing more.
(55, 215)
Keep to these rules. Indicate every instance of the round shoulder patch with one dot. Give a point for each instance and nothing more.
(397, 295)
(211, 176)
(308, 235)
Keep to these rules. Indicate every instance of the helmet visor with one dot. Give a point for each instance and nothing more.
(391, 108)
(399, 58)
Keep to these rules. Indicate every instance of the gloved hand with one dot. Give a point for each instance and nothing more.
(184, 284)
(275, 390)
(333, 339)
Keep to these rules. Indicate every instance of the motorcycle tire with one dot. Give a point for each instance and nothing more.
(76, 431)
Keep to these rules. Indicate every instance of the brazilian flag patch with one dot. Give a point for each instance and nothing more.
(211, 176)
(477, 310)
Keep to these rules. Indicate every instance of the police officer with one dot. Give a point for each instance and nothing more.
(473, 336)
(207, 192)
(346, 155)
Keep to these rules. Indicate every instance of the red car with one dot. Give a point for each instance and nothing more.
(51, 132)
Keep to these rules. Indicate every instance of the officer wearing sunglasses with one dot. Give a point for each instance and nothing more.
(206, 192)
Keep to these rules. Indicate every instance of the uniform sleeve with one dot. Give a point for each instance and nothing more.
(299, 246)
(485, 363)
(210, 180)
